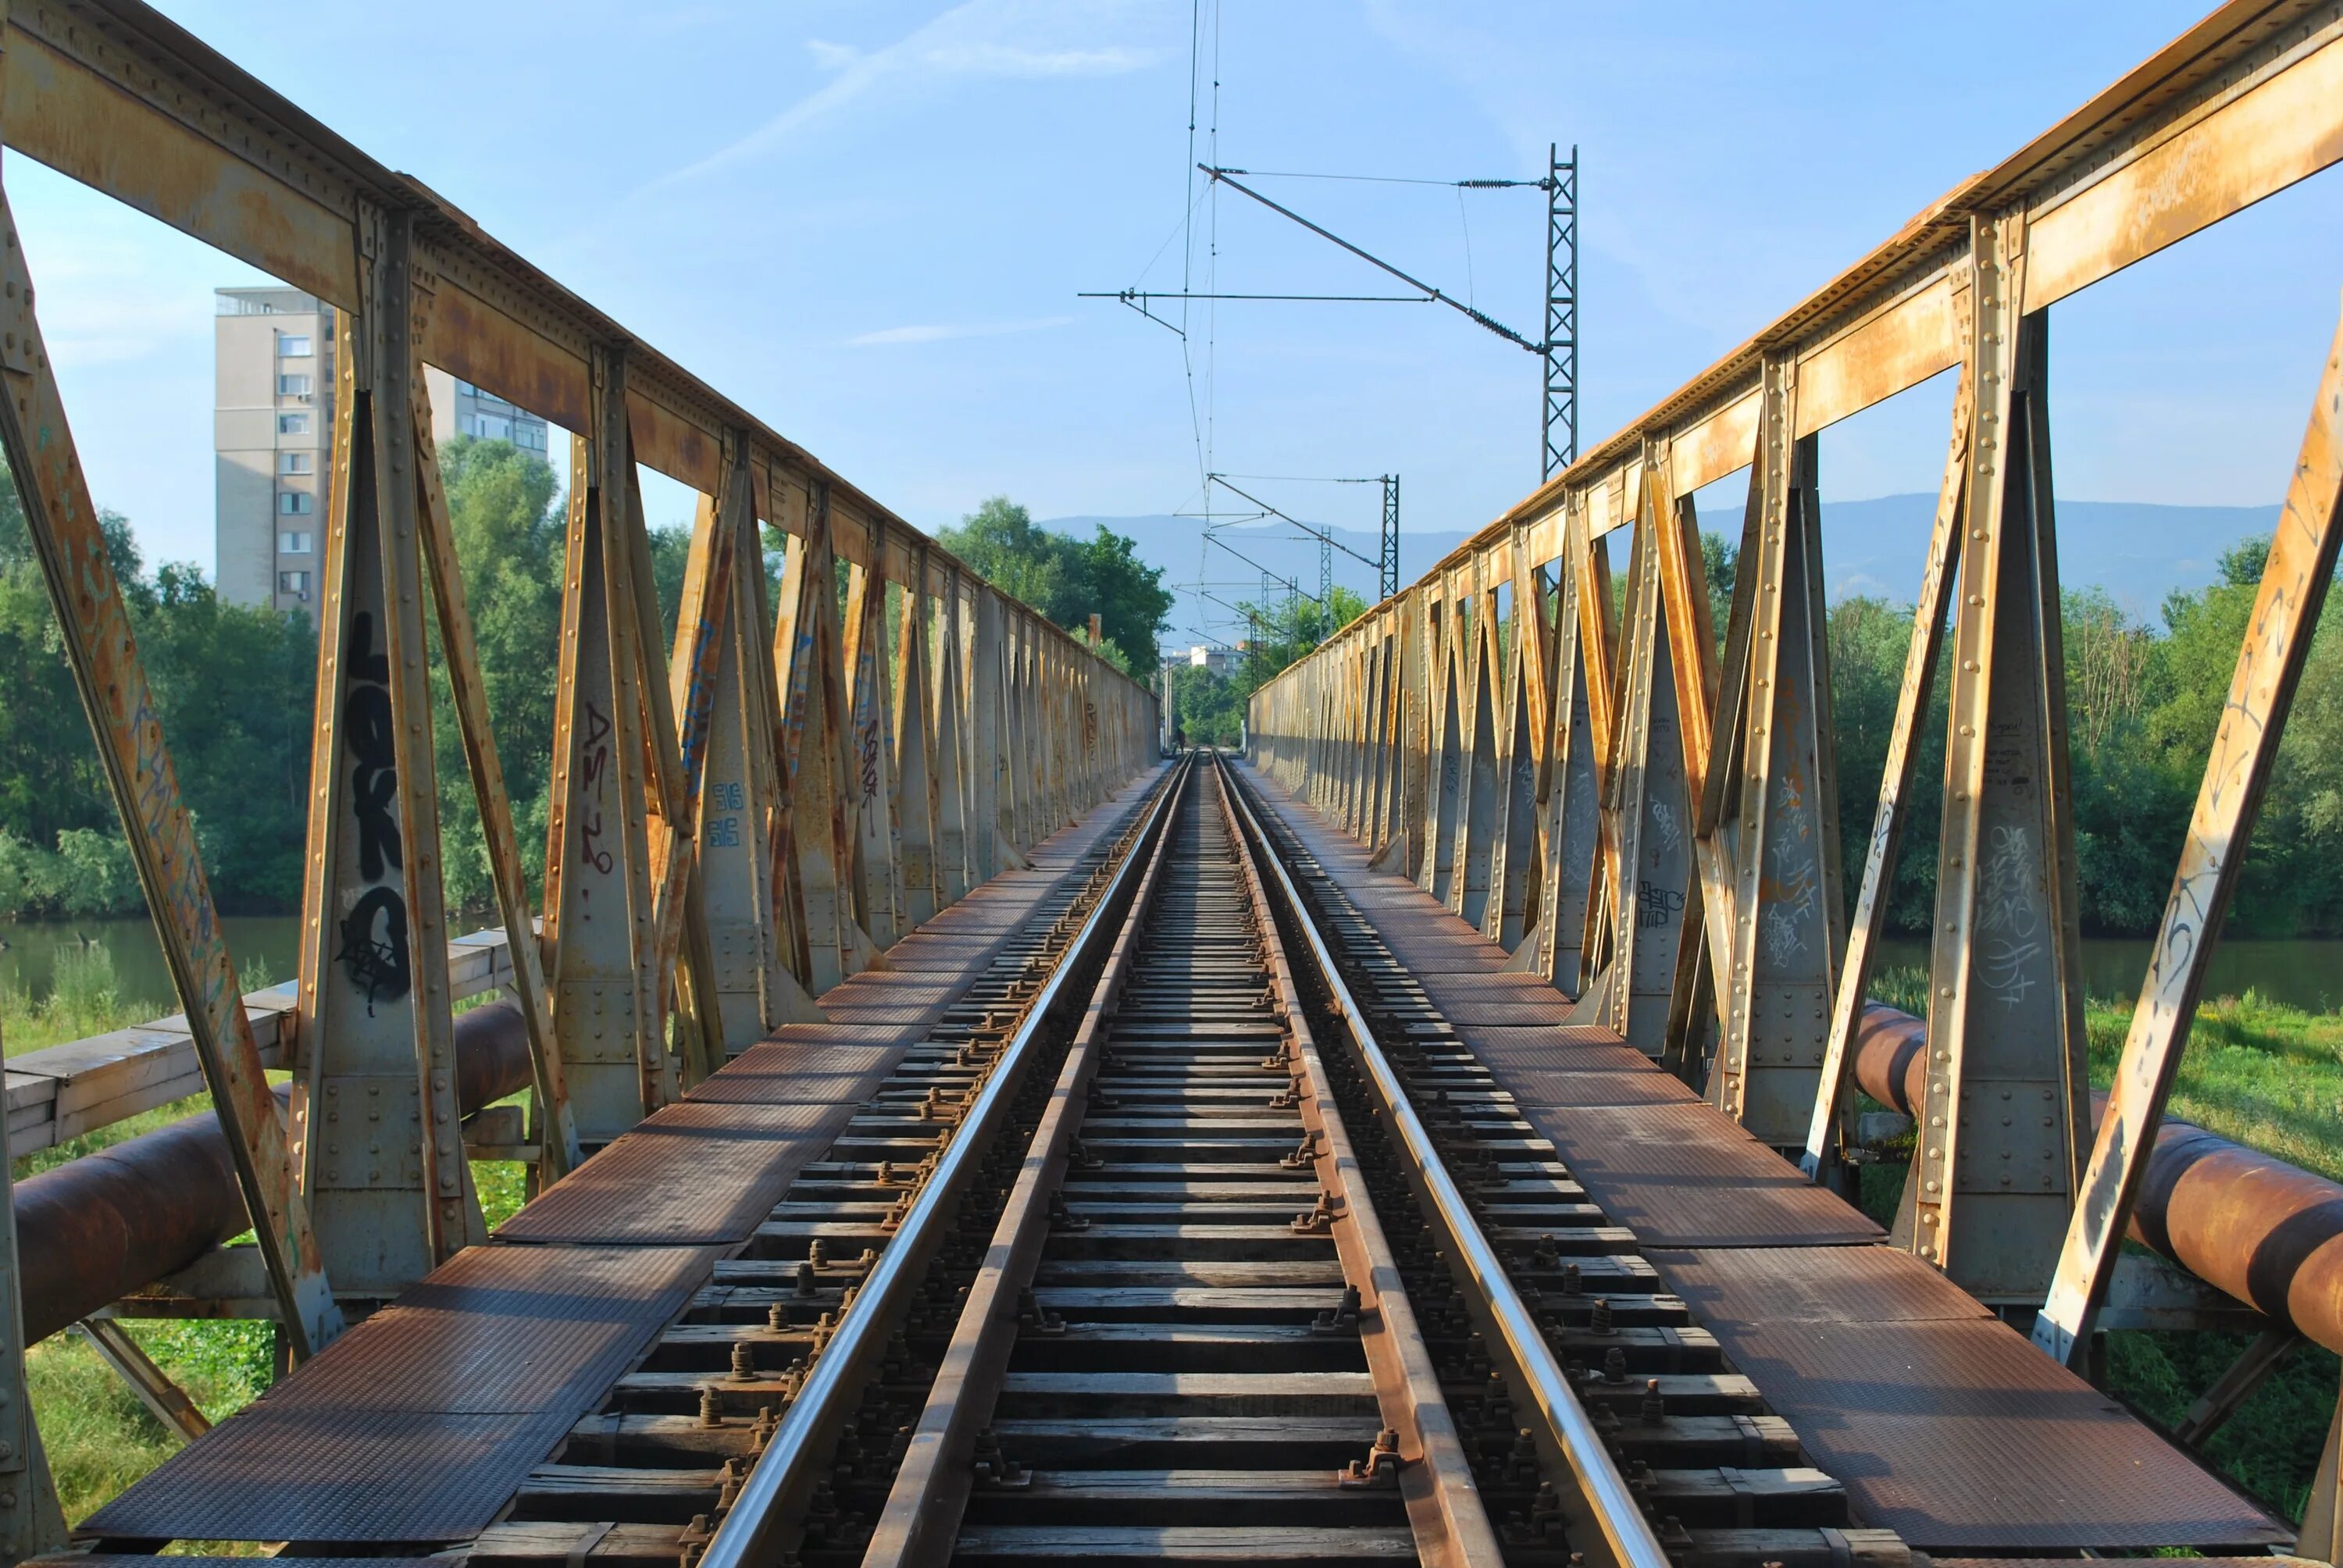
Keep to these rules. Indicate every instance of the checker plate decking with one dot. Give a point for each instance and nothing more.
(416, 1425)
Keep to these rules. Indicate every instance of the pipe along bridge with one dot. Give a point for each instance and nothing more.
(958, 1131)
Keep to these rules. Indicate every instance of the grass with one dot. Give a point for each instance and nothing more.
(2265, 1075)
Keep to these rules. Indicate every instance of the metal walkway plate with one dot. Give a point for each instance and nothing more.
(1622, 1086)
(420, 1423)
(1686, 1175)
(1962, 1434)
(704, 1171)
(1946, 1425)
(790, 1069)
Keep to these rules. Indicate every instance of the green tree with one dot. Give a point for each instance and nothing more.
(1868, 638)
(510, 543)
(1069, 580)
(235, 687)
(1207, 708)
(232, 686)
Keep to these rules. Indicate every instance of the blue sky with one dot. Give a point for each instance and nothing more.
(870, 223)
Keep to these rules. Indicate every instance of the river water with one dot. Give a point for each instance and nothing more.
(2305, 974)
(35, 948)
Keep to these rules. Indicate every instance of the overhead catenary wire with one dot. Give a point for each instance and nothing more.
(1481, 317)
(1313, 530)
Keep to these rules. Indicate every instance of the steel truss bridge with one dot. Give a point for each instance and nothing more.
(957, 1132)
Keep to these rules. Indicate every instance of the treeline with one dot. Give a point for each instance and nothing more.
(2143, 698)
(235, 688)
(232, 686)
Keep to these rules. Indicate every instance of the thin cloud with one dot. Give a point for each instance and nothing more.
(938, 334)
(1001, 60)
(997, 39)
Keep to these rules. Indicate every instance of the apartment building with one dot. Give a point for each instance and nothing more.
(273, 434)
(272, 437)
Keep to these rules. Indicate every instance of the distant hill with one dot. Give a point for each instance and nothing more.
(2136, 550)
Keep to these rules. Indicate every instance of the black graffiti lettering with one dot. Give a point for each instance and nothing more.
(1656, 907)
(374, 781)
(364, 663)
(376, 963)
(590, 822)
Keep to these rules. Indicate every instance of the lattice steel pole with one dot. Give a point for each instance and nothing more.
(1560, 443)
(1388, 572)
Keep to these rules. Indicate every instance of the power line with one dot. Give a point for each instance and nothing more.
(1381, 179)
(1220, 177)
(1313, 530)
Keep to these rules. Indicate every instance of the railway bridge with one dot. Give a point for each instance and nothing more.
(960, 1129)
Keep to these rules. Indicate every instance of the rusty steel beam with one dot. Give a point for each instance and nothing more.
(373, 1112)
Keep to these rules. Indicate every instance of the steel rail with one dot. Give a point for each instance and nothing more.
(1627, 1537)
(1444, 1505)
(921, 1518)
(785, 1471)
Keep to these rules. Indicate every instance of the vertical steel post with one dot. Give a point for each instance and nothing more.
(985, 764)
(1775, 881)
(726, 701)
(1521, 762)
(1477, 824)
(599, 912)
(808, 656)
(1443, 787)
(1995, 1169)
(1651, 812)
(954, 725)
(871, 740)
(375, 1112)
(1572, 826)
(916, 787)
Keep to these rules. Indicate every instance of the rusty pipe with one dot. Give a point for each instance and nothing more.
(94, 1228)
(2248, 1223)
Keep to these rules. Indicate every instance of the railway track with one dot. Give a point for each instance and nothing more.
(1150, 1255)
